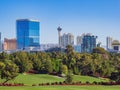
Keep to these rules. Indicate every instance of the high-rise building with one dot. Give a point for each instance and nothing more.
(27, 34)
(9, 44)
(79, 39)
(0, 42)
(109, 43)
(88, 43)
(67, 39)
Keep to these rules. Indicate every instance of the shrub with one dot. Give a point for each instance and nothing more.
(73, 83)
(60, 83)
(39, 84)
(95, 83)
(34, 85)
(52, 83)
(87, 82)
(48, 83)
(69, 79)
(56, 83)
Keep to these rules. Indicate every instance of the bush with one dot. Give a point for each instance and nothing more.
(69, 79)
(56, 83)
(52, 83)
(73, 83)
(39, 84)
(42, 84)
(60, 83)
(34, 85)
(95, 83)
(48, 83)
(87, 82)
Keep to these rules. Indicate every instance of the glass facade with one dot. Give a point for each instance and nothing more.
(0, 42)
(27, 33)
(88, 43)
(116, 48)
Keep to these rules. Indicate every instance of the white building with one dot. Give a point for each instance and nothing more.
(44, 47)
(79, 39)
(109, 43)
(116, 45)
(67, 39)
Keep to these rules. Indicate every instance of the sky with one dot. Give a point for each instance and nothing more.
(99, 17)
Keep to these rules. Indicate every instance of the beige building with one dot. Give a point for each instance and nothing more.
(67, 39)
(116, 45)
(9, 44)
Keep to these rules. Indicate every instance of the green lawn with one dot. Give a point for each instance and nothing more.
(88, 78)
(62, 88)
(29, 79)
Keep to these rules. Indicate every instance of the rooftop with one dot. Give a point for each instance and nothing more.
(27, 20)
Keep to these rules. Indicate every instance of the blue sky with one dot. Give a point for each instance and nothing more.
(99, 17)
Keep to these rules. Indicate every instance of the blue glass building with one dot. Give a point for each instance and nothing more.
(88, 43)
(0, 42)
(27, 33)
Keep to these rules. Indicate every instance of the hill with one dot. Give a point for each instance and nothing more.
(29, 79)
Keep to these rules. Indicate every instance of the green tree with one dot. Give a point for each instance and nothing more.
(10, 71)
(23, 62)
(56, 65)
(37, 65)
(69, 78)
(69, 56)
(48, 66)
(115, 76)
(101, 66)
(84, 64)
(99, 50)
(64, 69)
(2, 66)
(4, 56)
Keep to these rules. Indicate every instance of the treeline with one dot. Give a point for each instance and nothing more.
(100, 63)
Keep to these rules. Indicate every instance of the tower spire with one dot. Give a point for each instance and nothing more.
(59, 35)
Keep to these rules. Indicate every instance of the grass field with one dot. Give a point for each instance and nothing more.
(62, 88)
(29, 79)
(88, 78)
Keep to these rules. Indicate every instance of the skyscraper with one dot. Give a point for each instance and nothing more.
(88, 43)
(0, 42)
(9, 44)
(27, 33)
(67, 39)
(109, 43)
(79, 39)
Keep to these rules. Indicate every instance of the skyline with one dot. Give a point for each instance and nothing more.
(99, 17)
